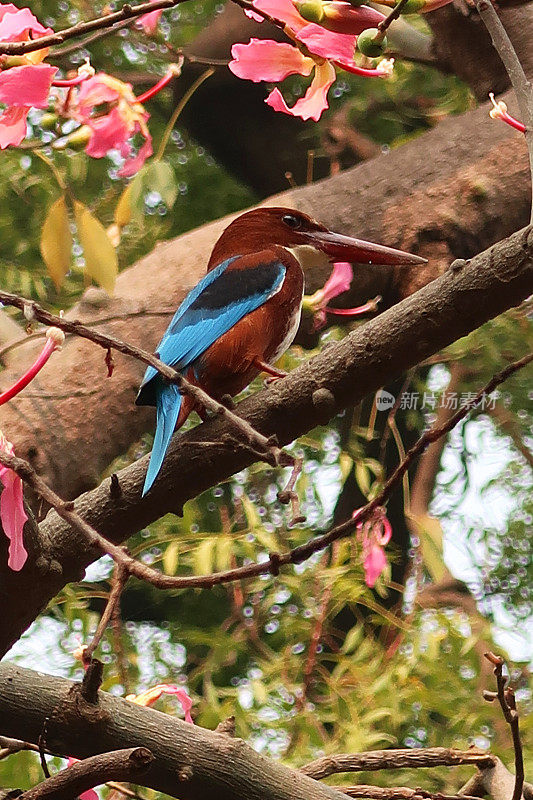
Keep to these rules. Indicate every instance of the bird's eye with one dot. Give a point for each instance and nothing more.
(292, 221)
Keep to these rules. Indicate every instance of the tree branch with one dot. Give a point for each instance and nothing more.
(396, 759)
(521, 84)
(189, 762)
(118, 765)
(125, 13)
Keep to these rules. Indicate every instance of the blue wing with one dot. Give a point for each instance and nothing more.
(222, 298)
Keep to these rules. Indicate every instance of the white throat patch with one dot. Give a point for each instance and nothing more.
(309, 256)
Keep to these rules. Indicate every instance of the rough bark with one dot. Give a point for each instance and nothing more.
(462, 45)
(191, 763)
(451, 192)
(441, 312)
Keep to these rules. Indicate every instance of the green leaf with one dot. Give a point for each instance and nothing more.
(160, 178)
(170, 558)
(432, 549)
(101, 260)
(362, 476)
(56, 241)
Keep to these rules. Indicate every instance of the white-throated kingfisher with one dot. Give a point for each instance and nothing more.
(244, 313)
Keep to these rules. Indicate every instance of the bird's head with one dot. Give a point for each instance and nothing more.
(310, 241)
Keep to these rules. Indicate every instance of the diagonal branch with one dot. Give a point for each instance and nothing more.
(118, 765)
(125, 13)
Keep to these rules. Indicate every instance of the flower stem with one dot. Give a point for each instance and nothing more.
(179, 108)
(172, 72)
(54, 340)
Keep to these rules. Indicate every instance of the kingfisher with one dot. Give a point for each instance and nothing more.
(244, 313)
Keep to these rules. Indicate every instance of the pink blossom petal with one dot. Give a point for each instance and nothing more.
(266, 60)
(13, 126)
(326, 44)
(17, 23)
(339, 281)
(342, 17)
(253, 15)
(108, 132)
(134, 164)
(314, 102)
(28, 85)
(374, 564)
(149, 697)
(92, 93)
(283, 10)
(12, 512)
(149, 22)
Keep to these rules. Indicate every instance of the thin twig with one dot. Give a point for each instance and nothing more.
(127, 12)
(508, 705)
(120, 578)
(395, 759)
(394, 14)
(399, 793)
(521, 85)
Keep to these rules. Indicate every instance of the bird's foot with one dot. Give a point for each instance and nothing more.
(275, 374)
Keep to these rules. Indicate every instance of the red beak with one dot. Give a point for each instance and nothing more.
(357, 251)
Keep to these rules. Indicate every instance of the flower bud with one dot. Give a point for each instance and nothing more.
(371, 43)
(341, 17)
(48, 121)
(77, 140)
(310, 10)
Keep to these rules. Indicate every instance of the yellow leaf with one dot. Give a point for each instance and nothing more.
(203, 557)
(101, 260)
(430, 532)
(56, 241)
(224, 551)
(122, 214)
(170, 558)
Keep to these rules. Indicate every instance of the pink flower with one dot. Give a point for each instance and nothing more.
(28, 83)
(12, 511)
(499, 111)
(149, 697)
(338, 282)
(16, 24)
(374, 534)
(149, 22)
(115, 129)
(264, 59)
(315, 48)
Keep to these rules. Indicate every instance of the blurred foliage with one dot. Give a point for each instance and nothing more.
(393, 679)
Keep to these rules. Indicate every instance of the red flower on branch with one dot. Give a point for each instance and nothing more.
(12, 512)
(317, 47)
(338, 282)
(374, 534)
(24, 81)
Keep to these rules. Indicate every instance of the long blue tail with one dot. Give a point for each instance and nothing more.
(168, 409)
